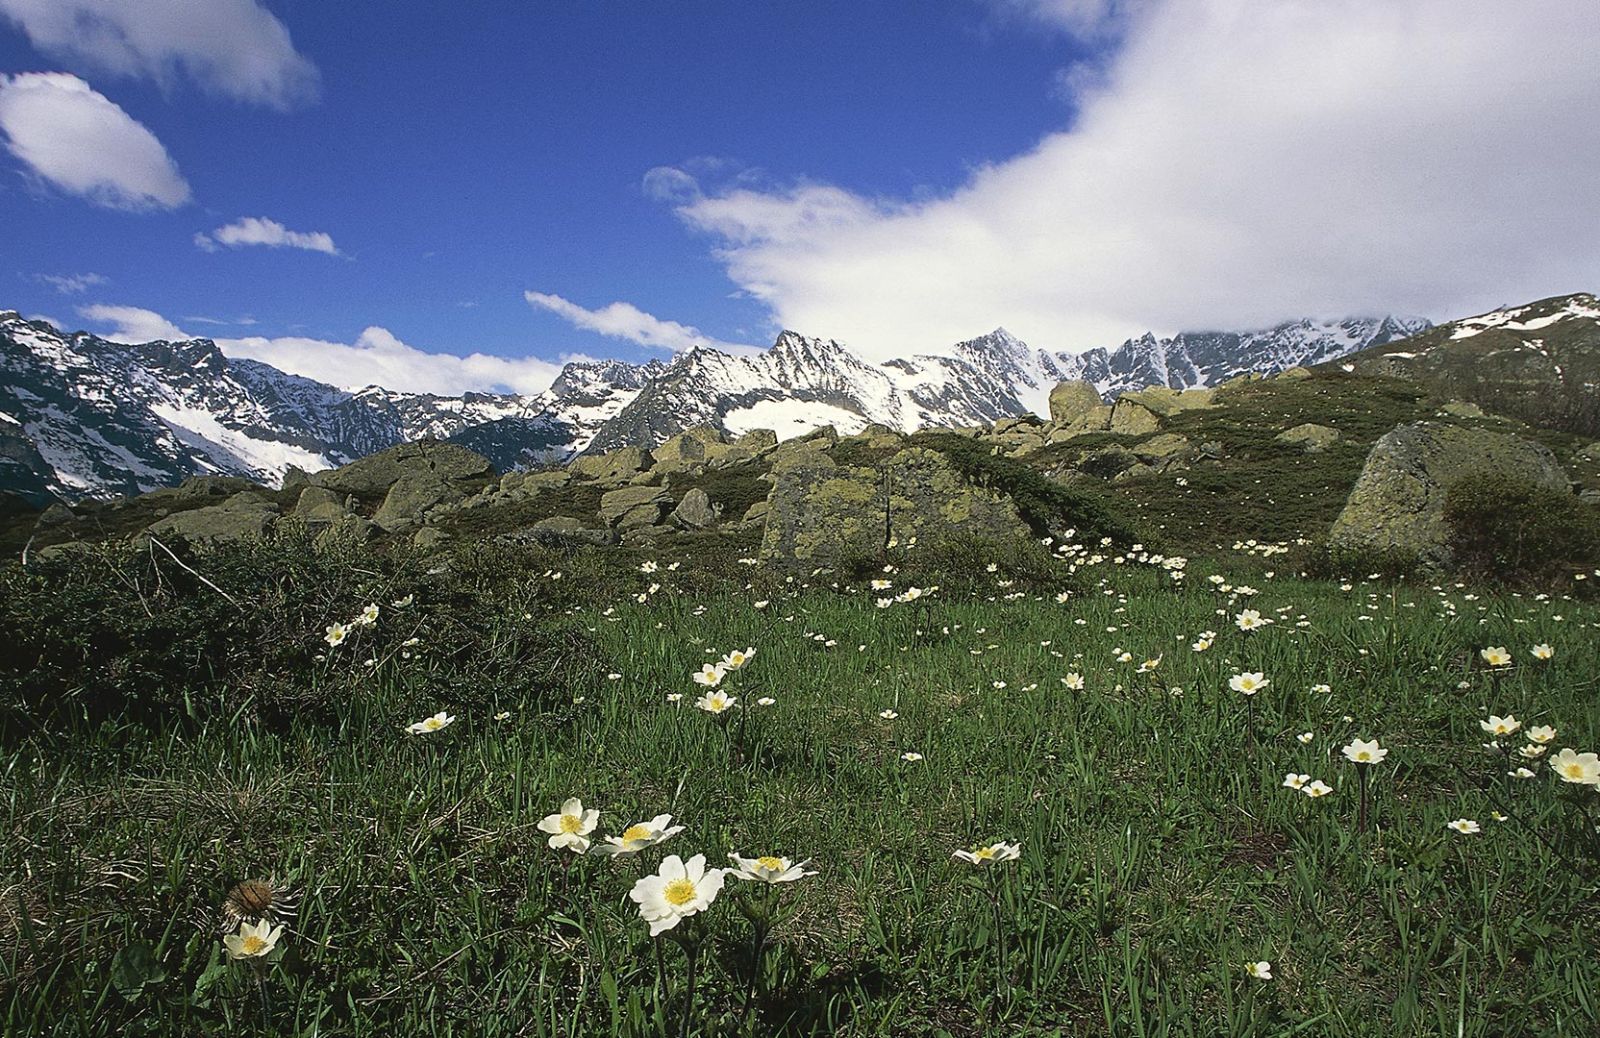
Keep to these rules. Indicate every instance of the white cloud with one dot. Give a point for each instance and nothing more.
(1237, 163)
(132, 324)
(258, 230)
(235, 48)
(78, 140)
(377, 357)
(628, 322)
(70, 284)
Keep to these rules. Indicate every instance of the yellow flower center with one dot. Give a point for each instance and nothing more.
(636, 832)
(571, 823)
(679, 892)
(770, 863)
(1572, 771)
(433, 724)
(984, 853)
(252, 945)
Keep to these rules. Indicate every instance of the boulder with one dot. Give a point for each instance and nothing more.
(1311, 437)
(812, 442)
(430, 538)
(1166, 447)
(1073, 400)
(753, 444)
(616, 466)
(1462, 409)
(1398, 500)
(689, 450)
(243, 517)
(410, 499)
(372, 476)
(1164, 402)
(695, 511)
(1133, 418)
(633, 506)
(58, 514)
(1296, 372)
(321, 505)
(821, 513)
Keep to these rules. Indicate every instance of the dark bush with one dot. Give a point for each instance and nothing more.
(1506, 529)
(135, 633)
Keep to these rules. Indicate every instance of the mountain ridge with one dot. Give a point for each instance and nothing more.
(82, 416)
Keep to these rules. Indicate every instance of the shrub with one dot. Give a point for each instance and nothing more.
(1506, 529)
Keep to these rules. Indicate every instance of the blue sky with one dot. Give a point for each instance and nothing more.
(460, 155)
(381, 188)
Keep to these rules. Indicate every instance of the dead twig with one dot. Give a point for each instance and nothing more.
(191, 571)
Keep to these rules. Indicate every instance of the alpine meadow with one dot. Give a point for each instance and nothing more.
(1212, 650)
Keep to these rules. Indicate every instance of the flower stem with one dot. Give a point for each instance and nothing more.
(1361, 822)
(755, 971)
(691, 951)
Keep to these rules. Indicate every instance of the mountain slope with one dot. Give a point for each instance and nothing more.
(1540, 362)
(82, 416)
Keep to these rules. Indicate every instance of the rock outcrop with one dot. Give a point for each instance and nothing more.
(1398, 500)
(820, 512)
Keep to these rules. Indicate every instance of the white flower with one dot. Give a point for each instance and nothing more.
(736, 659)
(716, 702)
(636, 838)
(1306, 737)
(253, 940)
(1248, 683)
(1464, 825)
(1321, 690)
(911, 755)
(648, 566)
(1073, 681)
(994, 852)
(769, 869)
(888, 715)
(335, 634)
(1542, 651)
(765, 701)
(677, 890)
(1365, 752)
(401, 603)
(1580, 768)
(1293, 781)
(1541, 734)
(1497, 725)
(709, 675)
(1249, 620)
(369, 615)
(1259, 970)
(882, 585)
(570, 827)
(1496, 656)
(503, 715)
(431, 724)
(1316, 789)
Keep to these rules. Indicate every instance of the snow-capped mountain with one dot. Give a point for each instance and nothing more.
(82, 416)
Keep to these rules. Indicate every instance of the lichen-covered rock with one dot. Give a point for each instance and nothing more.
(1162, 449)
(1310, 436)
(616, 466)
(321, 505)
(634, 506)
(823, 513)
(754, 444)
(563, 530)
(690, 449)
(373, 475)
(410, 499)
(1133, 418)
(695, 511)
(1398, 500)
(1164, 402)
(243, 517)
(1072, 400)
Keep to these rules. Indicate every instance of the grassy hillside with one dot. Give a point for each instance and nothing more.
(1160, 851)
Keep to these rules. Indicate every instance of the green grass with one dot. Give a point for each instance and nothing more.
(1160, 851)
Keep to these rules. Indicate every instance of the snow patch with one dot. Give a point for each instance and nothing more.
(791, 418)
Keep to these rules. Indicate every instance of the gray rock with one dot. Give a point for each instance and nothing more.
(1311, 437)
(565, 531)
(634, 506)
(243, 517)
(1398, 500)
(616, 466)
(321, 505)
(410, 499)
(820, 514)
(1133, 418)
(690, 450)
(373, 475)
(1072, 400)
(695, 511)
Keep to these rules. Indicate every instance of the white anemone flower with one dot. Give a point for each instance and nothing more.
(736, 659)
(768, 869)
(710, 675)
(335, 634)
(253, 941)
(1365, 751)
(432, 724)
(678, 889)
(570, 827)
(637, 837)
(716, 702)
(998, 851)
